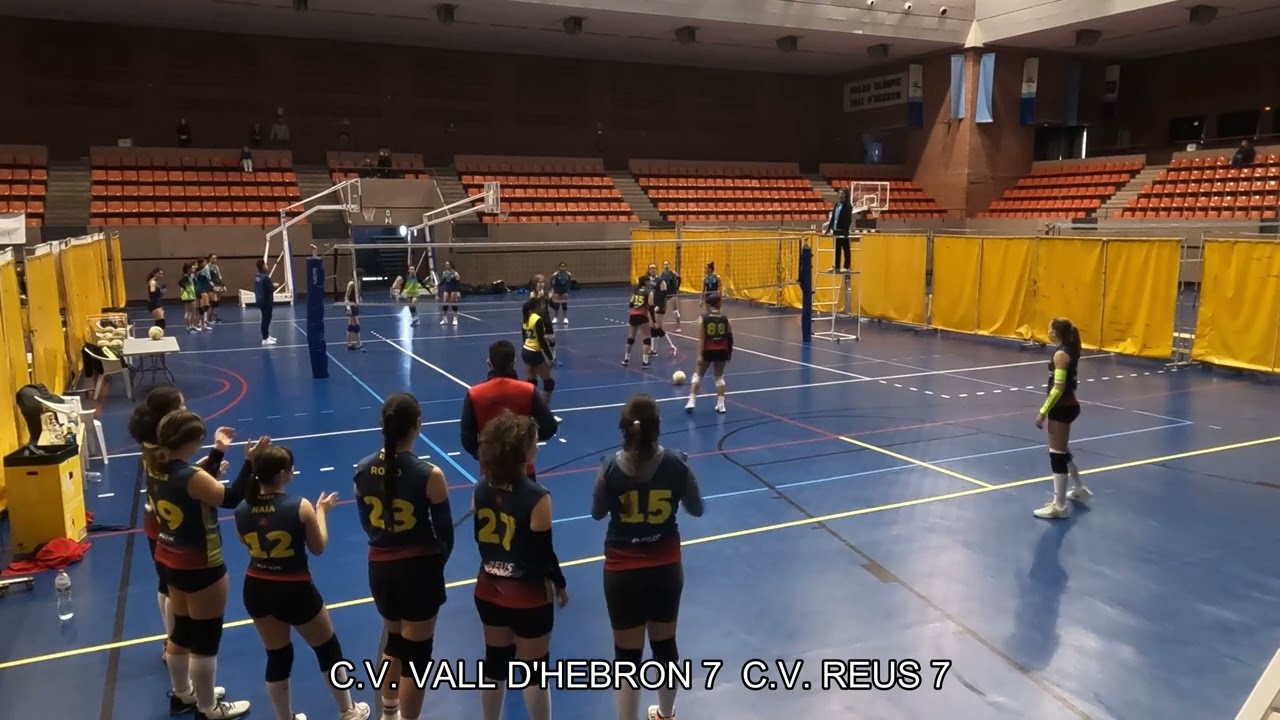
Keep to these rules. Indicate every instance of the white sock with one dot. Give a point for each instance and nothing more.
(538, 702)
(278, 694)
(203, 671)
(166, 616)
(628, 703)
(341, 697)
(390, 709)
(179, 673)
(667, 701)
(1059, 489)
(491, 701)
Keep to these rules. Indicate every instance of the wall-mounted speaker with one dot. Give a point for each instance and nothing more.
(444, 13)
(1087, 38)
(788, 43)
(573, 25)
(687, 35)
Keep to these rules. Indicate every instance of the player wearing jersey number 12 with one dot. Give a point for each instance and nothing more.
(639, 489)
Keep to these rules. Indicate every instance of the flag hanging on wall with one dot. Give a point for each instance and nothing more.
(1030, 79)
(958, 97)
(915, 96)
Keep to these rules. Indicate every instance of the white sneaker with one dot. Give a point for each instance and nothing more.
(565, 322)
(455, 321)
(655, 715)
(689, 406)
(444, 320)
(555, 321)
(183, 704)
(720, 408)
(272, 340)
(1053, 511)
(358, 711)
(265, 343)
(225, 711)
(1079, 494)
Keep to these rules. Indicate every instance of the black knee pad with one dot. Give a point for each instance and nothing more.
(206, 637)
(280, 663)
(203, 310)
(648, 342)
(1070, 458)
(1058, 461)
(328, 654)
(554, 305)
(455, 309)
(216, 303)
(497, 662)
(158, 323)
(536, 668)
(659, 332)
(631, 341)
(664, 651)
(395, 646)
(549, 385)
(565, 306)
(413, 309)
(621, 654)
(180, 635)
(353, 328)
(417, 655)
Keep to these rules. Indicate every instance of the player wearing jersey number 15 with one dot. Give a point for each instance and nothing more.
(639, 490)
(520, 575)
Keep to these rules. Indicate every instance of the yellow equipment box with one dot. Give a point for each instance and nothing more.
(46, 497)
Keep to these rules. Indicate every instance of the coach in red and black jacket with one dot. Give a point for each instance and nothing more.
(504, 390)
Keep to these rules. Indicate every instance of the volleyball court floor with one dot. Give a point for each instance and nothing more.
(866, 501)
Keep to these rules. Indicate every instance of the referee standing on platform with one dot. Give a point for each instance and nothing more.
(504, 390)
(838, 225)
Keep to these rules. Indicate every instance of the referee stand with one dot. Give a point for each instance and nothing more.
(839, 291)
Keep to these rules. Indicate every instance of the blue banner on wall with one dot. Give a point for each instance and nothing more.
(1030, 80)
(957, 87)
(986, 83)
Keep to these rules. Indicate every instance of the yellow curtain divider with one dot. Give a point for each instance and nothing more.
(1238, 323)
(48, 342)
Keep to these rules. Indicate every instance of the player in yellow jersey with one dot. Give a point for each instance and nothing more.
(538, 351)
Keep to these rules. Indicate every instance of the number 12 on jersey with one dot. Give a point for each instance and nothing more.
(656, 508)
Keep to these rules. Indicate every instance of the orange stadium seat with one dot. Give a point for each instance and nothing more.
(349, 165)
(728, 192)
(546, 190)
(141, 186)
(1206, 187)
(24, 171)
(1064, 191)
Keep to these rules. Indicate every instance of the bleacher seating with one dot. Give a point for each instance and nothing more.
(907, 200)
(1209, 188)
(542, 190)
(24, 172)
(1063, 191)
(188, 186)
(728, 192)
(349, 165)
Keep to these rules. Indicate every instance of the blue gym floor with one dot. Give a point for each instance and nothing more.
(866, 500)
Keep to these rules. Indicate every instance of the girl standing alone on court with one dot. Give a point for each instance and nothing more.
(561, 282)
(352, 302)
(412, 288)
(403, 503)
(639, 490)
(520, 575)
(279, 529)
(1060, 409)
(450, 293)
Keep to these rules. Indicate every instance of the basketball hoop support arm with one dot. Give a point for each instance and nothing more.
(447, 213)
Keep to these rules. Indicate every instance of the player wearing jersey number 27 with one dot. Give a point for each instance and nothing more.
(519, 572)
(639, 489)
(403, 503)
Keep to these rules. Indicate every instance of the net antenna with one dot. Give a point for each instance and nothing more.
(343, 197)
(871, 197)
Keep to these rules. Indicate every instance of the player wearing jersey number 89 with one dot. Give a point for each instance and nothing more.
(715, 348)
(519, 571)
(279, 529)
(403, 503)
(639, 490)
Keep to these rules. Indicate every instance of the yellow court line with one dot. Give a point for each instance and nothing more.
(913, 461)
(710, 538)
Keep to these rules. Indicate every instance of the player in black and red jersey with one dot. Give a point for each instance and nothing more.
(189, 546)
(520, 575)
(403, 503)
(279, 529)
(639, 490)
(638, 316)
(715, 347)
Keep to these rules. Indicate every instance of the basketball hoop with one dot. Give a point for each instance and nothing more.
(368, 213)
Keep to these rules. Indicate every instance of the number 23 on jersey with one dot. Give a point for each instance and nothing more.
(402, 518)
(655, 509)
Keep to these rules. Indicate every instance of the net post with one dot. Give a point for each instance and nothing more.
(806, 292)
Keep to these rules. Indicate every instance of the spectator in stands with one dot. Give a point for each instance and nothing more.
(345, 139)
(280, 129)
(255, 135)
(384, 163)
(1245, 154)
(246, 160)
(184, 133)
(838, 225)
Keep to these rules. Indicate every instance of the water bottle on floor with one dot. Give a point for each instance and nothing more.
(62, 584)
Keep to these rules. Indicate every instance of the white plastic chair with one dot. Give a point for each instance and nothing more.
(71, 407)
(110, 366)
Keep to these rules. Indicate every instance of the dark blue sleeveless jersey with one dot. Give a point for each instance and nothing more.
(190, 538)
(711, 283)
(449, 281)
(1073, 377)
(271, 528)
(404, 529)
(642, 515)
(560, 282)
(502, 529)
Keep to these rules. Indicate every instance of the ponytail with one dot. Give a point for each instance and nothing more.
(267, 466)
(641, 424)
(401, 418)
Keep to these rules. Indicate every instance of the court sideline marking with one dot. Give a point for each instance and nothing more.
(421, 435)
(679, 399)
(442, 371)
(746, 532)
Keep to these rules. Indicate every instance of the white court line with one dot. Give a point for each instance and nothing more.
(437, 368)
(607, 406)
(784, 360)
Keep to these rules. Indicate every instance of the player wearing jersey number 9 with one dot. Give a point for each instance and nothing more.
(639, 489)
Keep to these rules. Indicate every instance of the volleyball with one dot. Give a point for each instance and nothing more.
(677, 378)
(155, 333)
